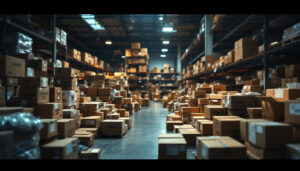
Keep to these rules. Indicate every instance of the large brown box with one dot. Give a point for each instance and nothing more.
(11, 66)
(292, 70)
(55, 94)
(270, 134)
(34, 82)
(219, 148)
(66, 128)
(104, 91)
(170, 124)
(292, 112)
(205, 127)
(65, 72)
(86, 139)
(60, 149)
(239, 102)
(113, 127)
(34, 95)
(214, 110)
(254, 112)
(272, 109)
(184, 126)
(283, 94)
(190, 135)
(262, 153)
(65, 81)
(127, 121)
(227, 126)
(49, 129)
(91, 154)
(90, 122)
(244, 48)
(172, 148)
(92, 92)
(49, 110)
(216, 88)
(38, 65)
(244, 123)
(135, 45)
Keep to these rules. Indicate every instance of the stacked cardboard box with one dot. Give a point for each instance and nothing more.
(171, 146)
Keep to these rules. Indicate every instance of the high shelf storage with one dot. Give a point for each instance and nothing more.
(166, 81)
(221, 38)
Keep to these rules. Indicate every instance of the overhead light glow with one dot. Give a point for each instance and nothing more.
(166, 42)
(90, 19)
(163, 55)
(160, 18)
(123, 56)
(167, 29)
(164, 50)
(108, 42)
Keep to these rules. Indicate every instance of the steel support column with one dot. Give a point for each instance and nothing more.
(266, 57)
(178, 63)
(208, 40)
(53, 21)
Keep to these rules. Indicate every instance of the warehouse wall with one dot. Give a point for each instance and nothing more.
(157, 61)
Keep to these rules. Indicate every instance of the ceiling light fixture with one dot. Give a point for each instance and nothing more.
(166, 42)
(164, 50)
(90, 19)
(160, 18)
(123, 56)
(167, 29)
(163, 55)
(108, 42)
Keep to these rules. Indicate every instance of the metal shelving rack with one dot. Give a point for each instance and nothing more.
(267, 27)
(168, 80)
(55, 46)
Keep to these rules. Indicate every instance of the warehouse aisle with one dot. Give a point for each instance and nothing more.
(141, 141)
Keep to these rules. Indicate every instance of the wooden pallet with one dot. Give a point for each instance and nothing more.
(289, 41)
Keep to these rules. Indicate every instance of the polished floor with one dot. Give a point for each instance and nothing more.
(141, 141)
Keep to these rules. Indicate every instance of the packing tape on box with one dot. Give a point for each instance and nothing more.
(252, 133)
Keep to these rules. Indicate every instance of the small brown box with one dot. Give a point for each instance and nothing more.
(60, 149)
(170, 124)
(55, 94)
(135, 45)
(91, 154)
(172, 148)
(90, 122)
(292, 112)
(227, 126)
(214, 110)
(66, 128)
(49, 110)
(190, 135)
(49, 129)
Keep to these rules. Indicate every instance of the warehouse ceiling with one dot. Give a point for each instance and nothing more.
(123, 29)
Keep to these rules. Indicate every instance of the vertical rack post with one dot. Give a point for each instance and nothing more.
(208, 40)
(266, 56)
(53, 21)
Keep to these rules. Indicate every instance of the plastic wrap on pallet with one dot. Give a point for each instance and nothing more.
(291, 32)
(69, 98)
(17, 43)
(63, 37)
(26, 128)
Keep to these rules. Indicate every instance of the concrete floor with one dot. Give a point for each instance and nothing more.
(141, 141)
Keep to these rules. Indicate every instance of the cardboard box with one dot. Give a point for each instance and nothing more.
(135, 45)
(49, 110)
(118, 99)
(7, 139)
(85, 99)
(49, 129)
(244, 124)
(220, 148)
(11, 66)
(293, 151)
(292, 112)
(60, 149)
(85, 139)
(172, 148)
(283, 94)
(39, 65)
(92, 92)
(113, 116)
(184, 126)
(34, 82)
(65, 72)
(104, 91)
(55, 94)
(142, 68)
(127, 100)
(169, 135)
(227, 126)
(34, 95)
(272, 109)
(292, 70)
(239, 101)
(205, 127)
(254, 112)
(261, 153)
(10, 81)
(91, 154)
(190, 135)
(170, 124)
(127, 121)
(113, 127)
(216, 88)
(90, 122)
(214, 110)
(65, 81)
(270, 134)
(66, 128)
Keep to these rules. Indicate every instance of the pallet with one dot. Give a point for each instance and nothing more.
(291, 40)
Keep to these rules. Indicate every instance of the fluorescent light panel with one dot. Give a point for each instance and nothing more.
(160, 18)
(167, 29)
(166, 42)
(90, 19)
(108, 42)
(163, 55)
(164, 50)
